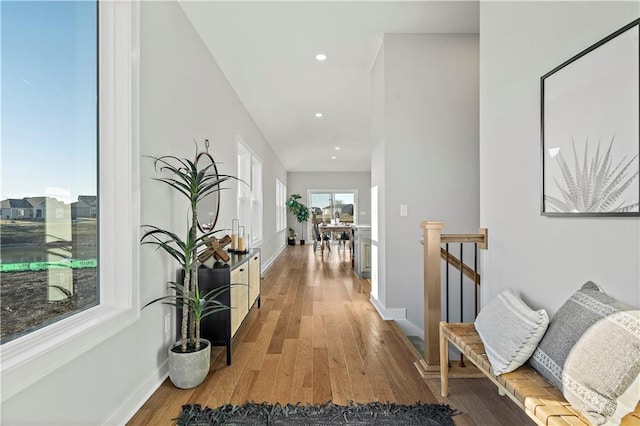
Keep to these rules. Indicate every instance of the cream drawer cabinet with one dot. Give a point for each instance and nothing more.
(242, 269)
(254, 279)
(239, 296)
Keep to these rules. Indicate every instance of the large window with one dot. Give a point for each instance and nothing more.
(334, 206)
(49, 223)
(281, 208)
(65, 142)
(256, 199)
(250, 193)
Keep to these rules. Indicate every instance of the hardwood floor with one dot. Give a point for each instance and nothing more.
(317, 338)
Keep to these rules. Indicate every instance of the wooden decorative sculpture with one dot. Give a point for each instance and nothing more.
(215, 248)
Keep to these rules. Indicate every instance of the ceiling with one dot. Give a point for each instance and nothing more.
(267, 49)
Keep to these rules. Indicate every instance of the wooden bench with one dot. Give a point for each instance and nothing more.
(538, 398)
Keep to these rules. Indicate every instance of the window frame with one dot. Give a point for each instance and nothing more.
(29, 358)
(250, 199)
(281, 207)
(256, 200)
(332, 193)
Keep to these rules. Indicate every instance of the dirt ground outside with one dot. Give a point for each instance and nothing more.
(31, 299)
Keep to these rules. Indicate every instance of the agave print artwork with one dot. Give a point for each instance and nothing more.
(590, 123)
(594, 183)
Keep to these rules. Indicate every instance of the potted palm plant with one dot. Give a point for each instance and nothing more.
(299, 211)
(189, 358)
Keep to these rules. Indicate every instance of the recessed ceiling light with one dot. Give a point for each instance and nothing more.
(321, 57)
(337, 148)
(333, 158)
(318, 115)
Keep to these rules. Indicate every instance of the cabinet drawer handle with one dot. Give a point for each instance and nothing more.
(241, 269)
(255, 258)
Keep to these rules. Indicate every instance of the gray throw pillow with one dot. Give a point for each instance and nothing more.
(510, 331)
(591, 352)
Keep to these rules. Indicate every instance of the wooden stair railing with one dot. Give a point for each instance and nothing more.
(433, 254)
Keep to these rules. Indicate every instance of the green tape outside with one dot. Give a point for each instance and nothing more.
(40, 266)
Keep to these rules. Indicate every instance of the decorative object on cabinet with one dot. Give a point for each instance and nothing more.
(299, 211)
(235, 228)
(215, 247)
(195, 181)
(590, 133)
(241, 246)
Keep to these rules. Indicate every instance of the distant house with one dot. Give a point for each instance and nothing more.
(14, 208)
(86, 206)
(48, 208)
(346, 209)
(39, 206)
(34, 208)
(343, 212)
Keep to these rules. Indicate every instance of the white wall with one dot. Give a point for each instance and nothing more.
(378, 187)
(545, 259)
(425, 155)
(183, 95)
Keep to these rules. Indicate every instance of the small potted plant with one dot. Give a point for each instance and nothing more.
(299, 211)
(291, 240)
(189, 358)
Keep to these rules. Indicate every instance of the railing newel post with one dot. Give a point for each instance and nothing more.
(432, 291)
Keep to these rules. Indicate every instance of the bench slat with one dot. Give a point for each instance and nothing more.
(543, 402)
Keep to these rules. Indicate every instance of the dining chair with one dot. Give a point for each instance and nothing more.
(320, 239)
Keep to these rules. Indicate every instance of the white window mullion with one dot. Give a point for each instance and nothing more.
(250, 192)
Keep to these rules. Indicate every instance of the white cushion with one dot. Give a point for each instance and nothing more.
(510, 331)
(601, 375)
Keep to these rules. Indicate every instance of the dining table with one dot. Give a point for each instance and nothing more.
(333, 229)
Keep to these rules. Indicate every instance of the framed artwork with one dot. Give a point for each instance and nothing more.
(590, 130)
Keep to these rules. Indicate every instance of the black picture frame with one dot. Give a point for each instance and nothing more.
(590, 111)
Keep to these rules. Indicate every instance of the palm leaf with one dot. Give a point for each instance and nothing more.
(184, 176)
(568, 199)
(613, 196)
(570, 182)
(184, 189)
(594, 185)
(556, 204)
(628, 208)
(580, 178)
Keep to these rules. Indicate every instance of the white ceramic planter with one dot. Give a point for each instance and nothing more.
(188, 370)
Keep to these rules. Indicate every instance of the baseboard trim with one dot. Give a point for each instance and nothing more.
(409, 328)
(125, 412)
(399, 315)
(386, 313)
(267, 263)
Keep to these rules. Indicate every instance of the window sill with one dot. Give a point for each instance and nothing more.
(29, 358)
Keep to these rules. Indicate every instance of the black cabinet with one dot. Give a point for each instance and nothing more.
(243, 270)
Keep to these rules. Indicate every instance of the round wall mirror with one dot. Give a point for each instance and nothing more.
(209, 206)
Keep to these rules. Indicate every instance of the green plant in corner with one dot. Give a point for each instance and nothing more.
(298, 210)
(596, 186)
(194, 184)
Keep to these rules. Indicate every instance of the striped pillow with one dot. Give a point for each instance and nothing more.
(510, 331)
(592, 354)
